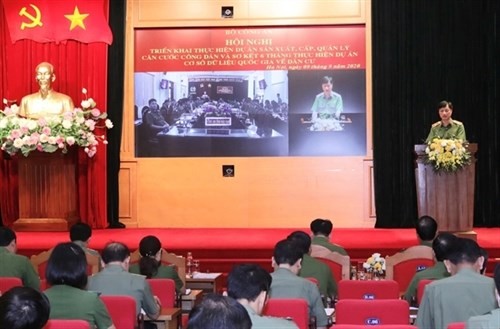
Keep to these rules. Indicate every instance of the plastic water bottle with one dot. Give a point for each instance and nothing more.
(189, 265)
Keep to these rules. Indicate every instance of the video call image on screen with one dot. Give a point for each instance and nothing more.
(250, 113)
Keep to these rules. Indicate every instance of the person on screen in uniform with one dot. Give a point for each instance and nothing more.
(327, 104)
(46, 101)
(446, 128)
(153, 119)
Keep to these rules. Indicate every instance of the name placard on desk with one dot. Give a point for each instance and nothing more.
(200, 275)
(217, 121)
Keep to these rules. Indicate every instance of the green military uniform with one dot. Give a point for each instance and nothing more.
(487, 321)
(314, 268)
(328, 107)
(164, 272)
(426, 243)
(268, 322)
(456, 299)
(455, 130)
(323, 241)
(67, 302)
(436, 272)
(89, 251)
(114, 280)
(18, 266)
(288, 285)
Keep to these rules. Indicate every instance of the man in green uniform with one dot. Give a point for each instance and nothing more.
(13, 265)
(327, 104)
(286, 284)
(322, 229)
(426, 230)
(115, 279)
(465, 294)
(314, 268)
(249, 285)
(447, 128)
(492, 319)
(441, 245)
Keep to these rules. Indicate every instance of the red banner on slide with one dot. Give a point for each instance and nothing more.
(232, 49)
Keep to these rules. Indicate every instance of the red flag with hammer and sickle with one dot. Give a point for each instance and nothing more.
(57, 20)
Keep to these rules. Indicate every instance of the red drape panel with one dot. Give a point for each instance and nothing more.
(77, 66)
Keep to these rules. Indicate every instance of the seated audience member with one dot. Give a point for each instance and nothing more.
(492, 319)
(287, 284)
(23, 308)
(80, 234)
(313, 268)
(426, 230)
(13, 265)
(463, 295)
(150, 263)
(249, 285)
(322, 229)
(66, 273)
(115, 279)
(441, 245)
(216, 311)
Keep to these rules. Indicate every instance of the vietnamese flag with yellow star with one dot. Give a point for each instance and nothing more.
(58, 20)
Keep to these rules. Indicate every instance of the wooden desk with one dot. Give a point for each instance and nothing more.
(168, 319)
(189, 301)
(207, 284)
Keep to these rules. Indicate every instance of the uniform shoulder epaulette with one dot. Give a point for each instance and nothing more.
(457, 122)
(436, 124)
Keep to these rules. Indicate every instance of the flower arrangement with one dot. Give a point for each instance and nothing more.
(447, 155)
(375, 264)
(212, 109)
(326, 125)
(52, 133)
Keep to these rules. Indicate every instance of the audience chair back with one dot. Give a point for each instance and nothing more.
(39, 262)
(421, 289)
(370, 289)
(164, 289)
(387, 326)
(7, 283)
(372, 312)
(338, 263)
(403, 265)
(67, 324)
(456, 325)
(290, 308)
(179, 262)
(122, 311)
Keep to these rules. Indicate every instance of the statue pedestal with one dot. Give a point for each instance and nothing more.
(47, 191)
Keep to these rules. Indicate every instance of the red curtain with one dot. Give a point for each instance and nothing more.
(77, 65)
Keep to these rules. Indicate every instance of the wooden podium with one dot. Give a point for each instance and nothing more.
(448, 198)
(47, 191)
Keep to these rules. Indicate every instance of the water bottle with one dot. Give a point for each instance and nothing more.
(189, 265)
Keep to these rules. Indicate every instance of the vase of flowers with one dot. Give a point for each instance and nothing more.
(375, 266)
(447, 155)
(52, 133)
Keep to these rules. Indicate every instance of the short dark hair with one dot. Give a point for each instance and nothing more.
(148, 248)
(216, 311)
(326, 79)
(464, 251)
(67, 265)
(247, 281)
(426, 228)
(442, 245)
(496, 277)
(152, 100)
(287, 252)
(23, 308)
(444, 104)
(484, 253)
(302, 240)
(321, 226)
(6, 236)
(115, 252)
(80, 232)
